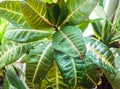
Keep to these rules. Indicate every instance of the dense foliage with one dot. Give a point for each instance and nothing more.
(46, 37)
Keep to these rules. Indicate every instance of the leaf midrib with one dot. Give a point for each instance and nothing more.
(42, 17)
(38, 64)
(71, 14)
(29, 30)
(14, 47)
(72, 44)
(14, 12)
(100, 55)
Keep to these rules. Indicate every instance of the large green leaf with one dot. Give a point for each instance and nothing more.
(25, 35)
(11, 52)
(100, 54)
(36, 13)
(69, 40)
(79, 10)
(71, 68)
(11, 10)
(40, 60)
(77, 72)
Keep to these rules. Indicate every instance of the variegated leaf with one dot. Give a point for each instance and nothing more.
(54, 79)
(11, 10)
(100, 54)
(25, 35)
(79, 11)
(69, 40)
(12, 51)
(71, 68)
(40, 60)
(36, 13)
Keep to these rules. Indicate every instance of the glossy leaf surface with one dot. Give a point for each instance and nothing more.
(69, 40)
(100, 54)
(71, 68)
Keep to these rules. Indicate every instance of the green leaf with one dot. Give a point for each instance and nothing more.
(91, 75)
(11, 10)
(40, 60)
(53, 11)
(91, 78)
(11, 80)
(114, 79)
(69, 40)
(78, 12)
(12, 51)
(100, 54)
(71, 68)
(106, 35)
(63, 11)
(35, 13)
(97, 29)
(25, 35)
(54, 79)
(48, 1)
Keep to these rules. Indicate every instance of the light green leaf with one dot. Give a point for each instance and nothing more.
(79, 11)
(26, 35)
(11, 52)
(69, 40)
(35, 13)
(11, 80)
(40, 60)
(11, 10)
(54, 79)
(100, 54)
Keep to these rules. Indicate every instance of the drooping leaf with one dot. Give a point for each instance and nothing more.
(35, 13)
(11, 10)
(100, 54)
(72, 69)
(77, 11)
(40, 60)
(10, 52)
(11, 80)
(69, 40)
(25, 35)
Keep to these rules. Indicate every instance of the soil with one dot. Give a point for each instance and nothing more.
(105, 84)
